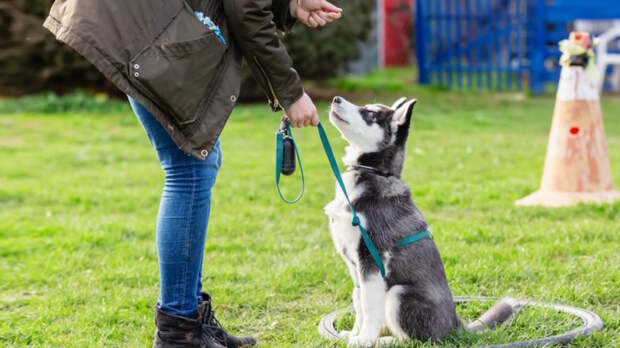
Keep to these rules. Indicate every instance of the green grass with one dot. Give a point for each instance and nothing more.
(52, 103)
(79, 193)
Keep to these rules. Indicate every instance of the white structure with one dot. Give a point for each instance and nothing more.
(609, 30)
(604, 58)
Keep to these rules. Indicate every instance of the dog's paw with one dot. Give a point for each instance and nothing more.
(345, 334)
(360, 341)
(386, 341)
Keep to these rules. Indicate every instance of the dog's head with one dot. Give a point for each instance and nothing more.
(373, 127)
(374, 131)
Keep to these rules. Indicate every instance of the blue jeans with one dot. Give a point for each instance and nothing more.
(183, 217)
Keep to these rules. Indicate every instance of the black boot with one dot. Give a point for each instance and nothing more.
(205, 311)
(179, 332)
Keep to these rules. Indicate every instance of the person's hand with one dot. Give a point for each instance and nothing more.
(302, 113)
(314, 13)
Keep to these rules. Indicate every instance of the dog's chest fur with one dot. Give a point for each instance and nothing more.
(346, 237)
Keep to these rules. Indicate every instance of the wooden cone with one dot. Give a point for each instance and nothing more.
(577, 165)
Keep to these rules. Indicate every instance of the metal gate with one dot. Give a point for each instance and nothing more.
(497, 44)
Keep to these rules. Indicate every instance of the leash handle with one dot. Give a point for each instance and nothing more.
(374, 253)
(286, 129)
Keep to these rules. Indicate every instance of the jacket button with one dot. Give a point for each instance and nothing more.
(204, 153)
(136, 66)
(233, 98)
(136, 74)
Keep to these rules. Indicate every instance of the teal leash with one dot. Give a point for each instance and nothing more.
(374, 253)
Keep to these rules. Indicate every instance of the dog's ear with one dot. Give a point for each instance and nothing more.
(402, 115)
(399, 103)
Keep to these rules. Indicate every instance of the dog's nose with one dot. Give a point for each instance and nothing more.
(337, 100)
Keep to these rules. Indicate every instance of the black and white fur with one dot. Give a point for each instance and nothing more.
(414, 300)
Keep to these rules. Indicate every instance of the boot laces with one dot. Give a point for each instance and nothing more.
(212, 328)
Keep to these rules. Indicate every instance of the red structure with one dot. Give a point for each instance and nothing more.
(396, 18)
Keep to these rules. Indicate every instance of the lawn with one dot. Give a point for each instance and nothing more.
(79, 190)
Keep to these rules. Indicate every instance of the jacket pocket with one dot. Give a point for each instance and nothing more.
(184, 48)
(175, 70)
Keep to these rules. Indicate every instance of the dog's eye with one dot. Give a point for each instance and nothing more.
(369, 114)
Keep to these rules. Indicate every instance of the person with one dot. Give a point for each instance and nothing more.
(179, 62)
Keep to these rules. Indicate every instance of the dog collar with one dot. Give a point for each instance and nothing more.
(370, 169)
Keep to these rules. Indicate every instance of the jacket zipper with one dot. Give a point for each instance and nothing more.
(276, 103)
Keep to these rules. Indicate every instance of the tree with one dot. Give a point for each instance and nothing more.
(32, 61)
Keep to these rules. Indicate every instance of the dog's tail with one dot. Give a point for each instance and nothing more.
(495, 316)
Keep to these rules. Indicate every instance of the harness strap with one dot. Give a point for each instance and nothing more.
(279, 155)
(412, 238)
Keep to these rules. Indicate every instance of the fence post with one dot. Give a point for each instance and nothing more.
(421, 43)
(537, 64)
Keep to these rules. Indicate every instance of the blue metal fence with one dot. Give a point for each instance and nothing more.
(497, 44)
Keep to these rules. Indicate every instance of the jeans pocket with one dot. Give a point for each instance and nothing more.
(215, 157)
(220, 157)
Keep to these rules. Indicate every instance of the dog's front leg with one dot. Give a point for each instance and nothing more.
(359, 315)
(357, 302)
(372, 291)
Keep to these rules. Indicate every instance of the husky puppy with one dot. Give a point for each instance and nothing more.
(414, 300)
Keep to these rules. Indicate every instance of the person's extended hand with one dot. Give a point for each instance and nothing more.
(302, 113)
(315, 13)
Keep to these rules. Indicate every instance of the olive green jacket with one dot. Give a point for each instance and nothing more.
(180, 69)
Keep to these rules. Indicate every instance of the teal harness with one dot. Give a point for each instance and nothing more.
(374, 253)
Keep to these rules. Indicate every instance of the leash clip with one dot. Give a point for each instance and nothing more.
(284, 127)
